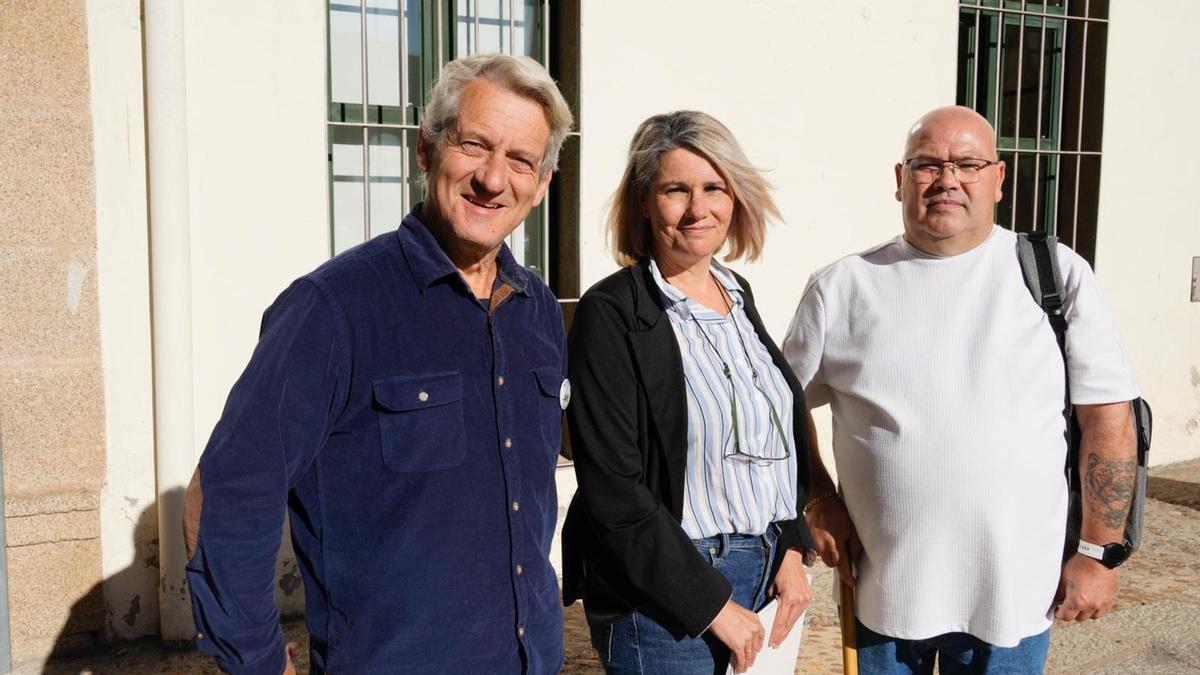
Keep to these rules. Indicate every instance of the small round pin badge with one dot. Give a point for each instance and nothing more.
(564, 394)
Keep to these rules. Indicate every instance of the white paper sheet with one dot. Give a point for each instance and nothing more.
(782, 660)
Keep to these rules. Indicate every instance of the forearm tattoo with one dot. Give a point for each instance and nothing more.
(1110, 488)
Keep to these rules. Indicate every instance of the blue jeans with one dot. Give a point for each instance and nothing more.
(635, 643)
(957, 653)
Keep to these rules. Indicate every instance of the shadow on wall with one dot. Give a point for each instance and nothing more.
(91, 621)
(125, 605)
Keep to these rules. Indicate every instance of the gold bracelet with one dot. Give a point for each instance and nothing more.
(817, 499)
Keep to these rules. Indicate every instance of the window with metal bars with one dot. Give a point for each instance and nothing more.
(383, 57)
(1036, 71)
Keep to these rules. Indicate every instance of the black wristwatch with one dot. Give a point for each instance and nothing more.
(1109, 555)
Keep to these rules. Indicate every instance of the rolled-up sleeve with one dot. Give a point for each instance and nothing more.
(275, 421)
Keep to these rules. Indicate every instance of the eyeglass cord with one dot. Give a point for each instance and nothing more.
(729, 376)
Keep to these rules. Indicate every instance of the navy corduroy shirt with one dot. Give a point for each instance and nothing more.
(411, 431)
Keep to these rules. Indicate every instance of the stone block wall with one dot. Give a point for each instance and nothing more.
(51, 390)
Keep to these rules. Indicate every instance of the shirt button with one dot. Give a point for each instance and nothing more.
(422, 397)
(500, 381)
(508, 442)
(520, 570)
(521, 632)
(516, 506)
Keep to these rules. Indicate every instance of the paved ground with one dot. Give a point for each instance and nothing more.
(1154, 627)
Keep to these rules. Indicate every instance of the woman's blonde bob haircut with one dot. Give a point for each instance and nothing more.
(629, 230)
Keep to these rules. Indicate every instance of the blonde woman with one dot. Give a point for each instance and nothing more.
(689, 432)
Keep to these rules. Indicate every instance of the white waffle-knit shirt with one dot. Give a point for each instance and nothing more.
(946, 388)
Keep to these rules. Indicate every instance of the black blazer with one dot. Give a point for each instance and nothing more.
(623, 546)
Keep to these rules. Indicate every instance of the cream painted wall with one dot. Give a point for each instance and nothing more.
(259, 212)
(259, 208)
(1149, 219)
(819, 93)
(127, 504)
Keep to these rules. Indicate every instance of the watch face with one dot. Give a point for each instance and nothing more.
(1114, 555)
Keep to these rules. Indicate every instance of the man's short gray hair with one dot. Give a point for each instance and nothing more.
(519, 74)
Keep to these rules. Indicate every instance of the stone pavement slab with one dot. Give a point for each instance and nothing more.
(1145, 664)
(1074, 645)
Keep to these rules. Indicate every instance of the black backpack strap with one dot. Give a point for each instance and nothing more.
(1039, 264)
(1038, 256)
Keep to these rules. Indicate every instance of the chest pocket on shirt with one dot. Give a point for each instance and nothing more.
(421, 421)
(549, 407)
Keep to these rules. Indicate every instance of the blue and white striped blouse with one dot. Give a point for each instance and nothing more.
(730, 495)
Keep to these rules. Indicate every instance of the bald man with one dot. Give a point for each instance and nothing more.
(946, 388)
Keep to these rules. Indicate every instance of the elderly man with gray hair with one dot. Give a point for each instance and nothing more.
(403, 405)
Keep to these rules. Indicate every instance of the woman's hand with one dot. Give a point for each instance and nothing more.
(793, 594)
(741, 631)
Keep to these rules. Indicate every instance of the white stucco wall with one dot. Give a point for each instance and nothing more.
(259, 208)
(820, 94)
(256, 93)
(1149, 218)
(127, 517)
(259, 218)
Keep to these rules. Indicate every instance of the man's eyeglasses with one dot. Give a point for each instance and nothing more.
(928, 169)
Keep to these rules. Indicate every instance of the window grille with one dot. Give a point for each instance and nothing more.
(392, 51)
(1035, 69)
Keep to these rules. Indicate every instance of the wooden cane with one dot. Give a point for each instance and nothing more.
(849, 642)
